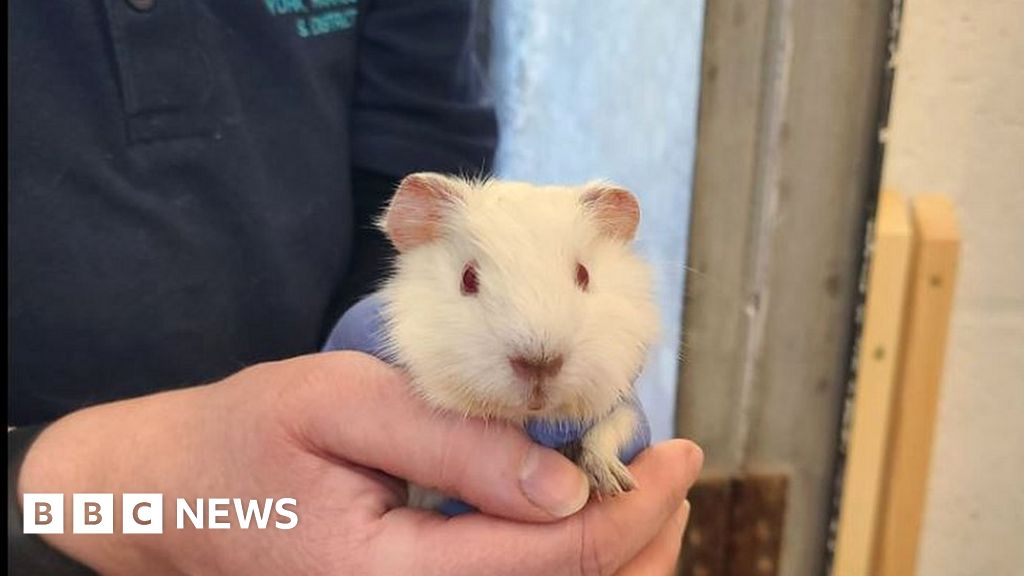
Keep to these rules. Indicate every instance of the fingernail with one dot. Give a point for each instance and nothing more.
(552, 483)
(683, 515)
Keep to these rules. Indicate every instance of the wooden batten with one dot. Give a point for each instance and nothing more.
(932, 281)
(878, 360)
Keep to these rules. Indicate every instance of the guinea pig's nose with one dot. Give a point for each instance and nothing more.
(535, 367)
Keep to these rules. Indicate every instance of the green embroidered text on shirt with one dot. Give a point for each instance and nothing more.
(316, 17)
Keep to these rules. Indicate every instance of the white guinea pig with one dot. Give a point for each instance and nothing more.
(520, 302)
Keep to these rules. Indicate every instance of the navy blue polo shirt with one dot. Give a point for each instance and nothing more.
(192, 182)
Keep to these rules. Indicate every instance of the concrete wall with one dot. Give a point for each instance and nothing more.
(788, 132)
(957, 127)
(590, 90)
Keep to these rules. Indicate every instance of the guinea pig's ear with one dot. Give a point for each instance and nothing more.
(417, 209)
(615, 210)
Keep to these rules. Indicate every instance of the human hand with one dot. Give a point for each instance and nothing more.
(332, 431)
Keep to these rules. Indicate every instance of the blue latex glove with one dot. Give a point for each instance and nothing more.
(362, 328)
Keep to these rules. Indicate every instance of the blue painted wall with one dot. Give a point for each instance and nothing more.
(589, 89)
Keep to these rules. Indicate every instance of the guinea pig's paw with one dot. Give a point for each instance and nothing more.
(607, 474)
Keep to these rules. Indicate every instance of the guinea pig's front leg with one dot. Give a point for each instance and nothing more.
(599, 451)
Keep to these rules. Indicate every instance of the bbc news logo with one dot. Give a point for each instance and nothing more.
(144, 513)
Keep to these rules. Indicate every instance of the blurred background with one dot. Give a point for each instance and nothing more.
(759, 136)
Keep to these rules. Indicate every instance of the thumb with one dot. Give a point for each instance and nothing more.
(363, 411)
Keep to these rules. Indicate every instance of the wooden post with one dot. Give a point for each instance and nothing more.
(936, 253)
(878, 361)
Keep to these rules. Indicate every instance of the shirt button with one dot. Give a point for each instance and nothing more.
(142, 5)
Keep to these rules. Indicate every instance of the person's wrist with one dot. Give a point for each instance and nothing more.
(59, 463)
(28, 553)
(108, 449)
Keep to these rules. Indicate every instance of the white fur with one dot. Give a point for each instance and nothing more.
(601, 445)
(525, 241)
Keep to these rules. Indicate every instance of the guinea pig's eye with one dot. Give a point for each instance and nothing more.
(470, 283)
(582, 276)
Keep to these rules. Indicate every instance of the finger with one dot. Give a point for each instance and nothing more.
(599, 540)
(669, 469)
(661, 556)
(363, 411)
